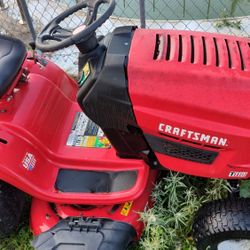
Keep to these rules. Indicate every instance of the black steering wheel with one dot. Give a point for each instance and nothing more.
(53, 37)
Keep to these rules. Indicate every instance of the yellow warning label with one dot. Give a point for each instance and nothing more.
(86, 70)
(126, 208)
(85, 74)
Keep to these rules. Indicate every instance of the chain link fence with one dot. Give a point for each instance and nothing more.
(223, 16)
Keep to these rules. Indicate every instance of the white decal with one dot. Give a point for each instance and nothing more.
(238, 174)
(192, 135)
(29, 161)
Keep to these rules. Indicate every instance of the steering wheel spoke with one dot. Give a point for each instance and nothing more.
(60, 33)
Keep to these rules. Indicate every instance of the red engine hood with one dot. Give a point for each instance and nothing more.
(194, 81)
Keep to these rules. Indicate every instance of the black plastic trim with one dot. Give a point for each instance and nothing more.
(105, 97)
(78, 181)
(180, 150)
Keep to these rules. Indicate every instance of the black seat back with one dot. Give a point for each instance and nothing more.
(12, 55)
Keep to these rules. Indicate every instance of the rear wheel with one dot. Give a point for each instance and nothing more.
(12, 201)
(223, 225)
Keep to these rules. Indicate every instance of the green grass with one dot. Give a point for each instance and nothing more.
(21, 239)
(18, 241)
(168, 224)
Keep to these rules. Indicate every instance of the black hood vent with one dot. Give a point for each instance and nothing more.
(197, 48)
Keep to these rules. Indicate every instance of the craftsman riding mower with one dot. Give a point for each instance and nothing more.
(147, 100)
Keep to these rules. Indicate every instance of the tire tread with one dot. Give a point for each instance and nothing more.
(12, 202)
(221, 218)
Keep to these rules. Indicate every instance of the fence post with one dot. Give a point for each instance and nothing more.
(3, 6)
(25, 11)
(22, 20)
(142, 13)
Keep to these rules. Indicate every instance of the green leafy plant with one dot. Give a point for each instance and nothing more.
(234, 5)
(226, 21)
(177, 198)
(226, 16)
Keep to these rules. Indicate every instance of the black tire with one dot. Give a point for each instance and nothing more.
(222, 220)
(12, 202)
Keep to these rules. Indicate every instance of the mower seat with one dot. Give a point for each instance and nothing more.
(12, 55)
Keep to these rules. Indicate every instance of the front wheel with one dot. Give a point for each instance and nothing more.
(12, 202)
(223, 225)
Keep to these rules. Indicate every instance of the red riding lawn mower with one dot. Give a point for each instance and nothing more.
(147, 100)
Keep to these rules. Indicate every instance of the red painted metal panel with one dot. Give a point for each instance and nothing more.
(203, 88)
(36, 124)
(43, 217)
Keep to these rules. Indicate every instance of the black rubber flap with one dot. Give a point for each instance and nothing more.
(86, 234)
(78, 181)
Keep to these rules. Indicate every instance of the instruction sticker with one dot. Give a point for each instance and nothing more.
(126, 208)
(87, 134)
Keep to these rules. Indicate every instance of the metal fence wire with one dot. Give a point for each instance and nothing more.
(223, 16)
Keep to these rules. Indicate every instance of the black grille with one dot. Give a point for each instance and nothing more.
(189, 153)
(181, 151)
